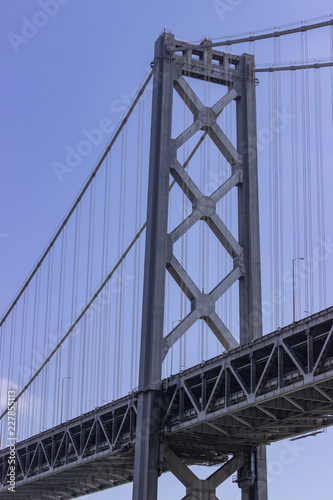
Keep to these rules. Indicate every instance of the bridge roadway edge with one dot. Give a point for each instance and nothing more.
(96, 450)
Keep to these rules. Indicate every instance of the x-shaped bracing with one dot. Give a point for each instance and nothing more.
(204, 208)
(200, 489)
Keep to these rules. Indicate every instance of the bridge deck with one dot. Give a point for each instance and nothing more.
(276, 387)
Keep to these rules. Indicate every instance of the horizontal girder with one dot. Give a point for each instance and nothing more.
(273, 388)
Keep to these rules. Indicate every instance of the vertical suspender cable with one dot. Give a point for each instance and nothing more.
(139, 282)
(202, 248)
(309, 184)
(295, 176)
(61, 305)
(123, 288)
(274, 171)
(136, 265)
(48, 328)
(225, 214)
(117, 313)
(280, 187)
(34, 351)
(107, 311)
(71, 341)
(34, 395)
(12, 347)
(168, 301)
(307, 194)
(231, 218)
(304, 170)
(75, 365)
(331, 57)
(101, 375)
(46, 331)
(322, 193)
(275, 202)
(20, 417)
(22, 343)
(94, 337)
(208, 232)
(181, 295)
(270, 206)
(85, 335)
(230, 120)
(57, 401)
(320, 188)
(187, 205)
(219, 212)
(120, 298)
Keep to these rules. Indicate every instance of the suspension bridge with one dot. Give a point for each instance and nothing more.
(158, 330)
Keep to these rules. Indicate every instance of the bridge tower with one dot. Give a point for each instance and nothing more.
(174, 59)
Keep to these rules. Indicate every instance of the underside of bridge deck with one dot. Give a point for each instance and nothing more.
(276, 387)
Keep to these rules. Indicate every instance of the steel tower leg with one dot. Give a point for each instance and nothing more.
(250, 304)
(146, 463)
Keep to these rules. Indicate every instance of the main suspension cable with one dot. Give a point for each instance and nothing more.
(79, 196)
(254, 38)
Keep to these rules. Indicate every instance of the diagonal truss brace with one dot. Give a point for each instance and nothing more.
(204, 208)
(197, 489)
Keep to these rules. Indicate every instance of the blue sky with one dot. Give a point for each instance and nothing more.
(78, 67)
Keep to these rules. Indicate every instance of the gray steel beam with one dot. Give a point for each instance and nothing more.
(248, 204)
(250, 305)
(146, 464)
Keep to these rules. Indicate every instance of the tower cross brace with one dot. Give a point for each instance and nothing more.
(174, 60)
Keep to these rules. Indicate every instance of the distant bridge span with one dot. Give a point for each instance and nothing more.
(272, 388)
